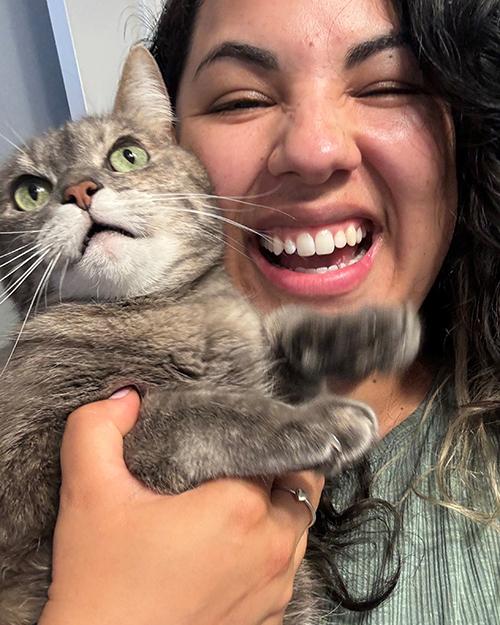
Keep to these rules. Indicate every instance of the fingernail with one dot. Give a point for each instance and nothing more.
(122, 392)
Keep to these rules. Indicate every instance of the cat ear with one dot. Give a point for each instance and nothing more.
(142, 94)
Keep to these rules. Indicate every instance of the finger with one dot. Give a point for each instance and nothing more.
(287, 509)
(92, 446)
(309, 481)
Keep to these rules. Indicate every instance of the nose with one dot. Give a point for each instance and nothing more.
(81, 193)
(315, 141)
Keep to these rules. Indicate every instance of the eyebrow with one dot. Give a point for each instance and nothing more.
(267, 60)
(241, 52)
(362, 51)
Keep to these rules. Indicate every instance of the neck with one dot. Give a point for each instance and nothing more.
(394, 397)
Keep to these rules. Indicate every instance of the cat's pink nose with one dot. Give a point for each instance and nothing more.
(81, 193)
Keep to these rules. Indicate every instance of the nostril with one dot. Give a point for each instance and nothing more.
(81, 193)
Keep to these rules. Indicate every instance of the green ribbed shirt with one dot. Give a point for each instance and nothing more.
(450, 566)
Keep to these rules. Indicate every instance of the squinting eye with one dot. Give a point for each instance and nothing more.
(392, 89)
(128, 158)
(32, 193)
(239, 105)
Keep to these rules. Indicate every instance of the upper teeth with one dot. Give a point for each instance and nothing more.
(324, 242)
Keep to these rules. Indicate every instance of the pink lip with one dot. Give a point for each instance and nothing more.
(333, 283)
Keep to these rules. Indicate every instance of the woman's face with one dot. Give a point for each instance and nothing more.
(316, 111)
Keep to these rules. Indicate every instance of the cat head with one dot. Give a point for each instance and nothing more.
(107, 207)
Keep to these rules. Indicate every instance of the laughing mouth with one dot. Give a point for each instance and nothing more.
(97, 228)
(317, 251)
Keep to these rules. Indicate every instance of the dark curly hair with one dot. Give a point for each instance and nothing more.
(457, 45)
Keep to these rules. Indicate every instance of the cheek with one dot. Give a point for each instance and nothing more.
(411, 162)
(410, 166)
(412, 157)
(232, 154)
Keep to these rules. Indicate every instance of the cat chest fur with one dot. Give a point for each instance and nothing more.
(221, 343)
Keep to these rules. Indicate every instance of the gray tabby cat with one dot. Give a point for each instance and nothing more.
(110, 210)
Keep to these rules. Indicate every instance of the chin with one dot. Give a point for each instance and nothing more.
(111, 281)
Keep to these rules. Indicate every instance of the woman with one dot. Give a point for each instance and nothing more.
(340, 115)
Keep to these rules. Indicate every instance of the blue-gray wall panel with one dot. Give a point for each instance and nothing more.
(32, 95)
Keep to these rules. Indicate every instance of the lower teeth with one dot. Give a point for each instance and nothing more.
(332, 267)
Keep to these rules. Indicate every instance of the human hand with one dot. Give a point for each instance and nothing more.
(223, 553)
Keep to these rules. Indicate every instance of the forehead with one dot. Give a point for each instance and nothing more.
(74, 143)
(81, 143)
(300, 27)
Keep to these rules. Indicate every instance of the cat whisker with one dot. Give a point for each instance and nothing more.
(209, 213)
(219, 218)
(34, 247)
(237, 247)
(61, 279)
(219, 237)
(237, 200)
(45, 284)
(257, 195)
(24, 263)
(229, 241)
(14, 145)
(18, 249)
(15, 133)
(158, 199)
(228, 237)
(47, 272)
(39, 297)
(237, 224)
(21, 232)
(13, 287)
(247, 206)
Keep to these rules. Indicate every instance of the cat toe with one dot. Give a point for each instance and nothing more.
(355, 433)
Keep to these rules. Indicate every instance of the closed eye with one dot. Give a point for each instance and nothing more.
(240, 104)
(391, 89)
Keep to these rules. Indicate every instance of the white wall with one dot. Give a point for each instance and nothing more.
(102, 33)
(32, 95)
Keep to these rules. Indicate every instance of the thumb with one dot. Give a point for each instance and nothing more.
(92, 446)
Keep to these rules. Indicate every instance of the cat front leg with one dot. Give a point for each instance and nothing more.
(308, 345)
(185, 438)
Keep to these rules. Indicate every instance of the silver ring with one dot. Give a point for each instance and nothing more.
(301, 496)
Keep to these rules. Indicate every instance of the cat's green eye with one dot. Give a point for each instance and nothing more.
(128, 158)
(32, 193)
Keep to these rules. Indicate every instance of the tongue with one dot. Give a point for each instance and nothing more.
(292, 261)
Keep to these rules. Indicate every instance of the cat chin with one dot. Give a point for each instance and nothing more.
(116, 267)
(102, 290)
(116, 283)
